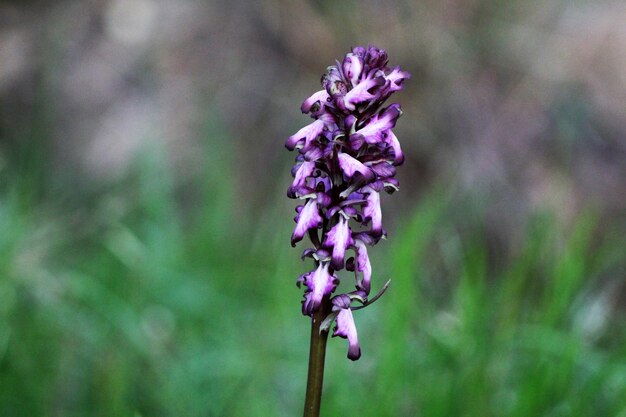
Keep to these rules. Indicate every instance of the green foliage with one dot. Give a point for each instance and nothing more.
(134, 306)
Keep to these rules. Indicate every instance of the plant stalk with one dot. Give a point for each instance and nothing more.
(317, 354)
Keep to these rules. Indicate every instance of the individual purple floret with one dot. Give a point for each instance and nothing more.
(346, 157)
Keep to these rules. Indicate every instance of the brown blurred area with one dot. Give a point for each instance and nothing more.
(521, 104)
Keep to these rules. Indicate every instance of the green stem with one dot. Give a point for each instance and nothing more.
(317, 355)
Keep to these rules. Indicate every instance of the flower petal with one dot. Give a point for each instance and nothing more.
(396, 79)
(304, 136)
(299, 186)
(383, 169)
(320, 99)
(333, 82)
(360, 93)
(392, 140)
(372, 212)
(320, 283)
(347, 329)
(308, 218)
(340, 239)
(352, 68)
(350, 166)
(374, 131)
(363, 265)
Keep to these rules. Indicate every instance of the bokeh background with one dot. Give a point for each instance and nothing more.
(145, 265)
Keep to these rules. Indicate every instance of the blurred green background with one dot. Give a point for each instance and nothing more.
(145, 265)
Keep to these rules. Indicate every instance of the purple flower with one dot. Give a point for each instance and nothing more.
(315, 103)
(350, 166)
(308, 218)
(320, 283)
(346, 157)
(378, 126)
(362, 265)
(306, 137)
(299, 187)
(339, 238)
(372, 211)
(361, 92)
(392, 140)
(352, 68)
(345, 326)
(396, 78)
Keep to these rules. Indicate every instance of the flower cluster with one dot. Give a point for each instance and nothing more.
(347, 156)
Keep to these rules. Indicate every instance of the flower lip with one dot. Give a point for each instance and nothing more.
(345, 327)
(350, 166)
(339, 238)
(299, 185)
(396, 78)
(362, 92)
(308, 218)
(304, 137)
(362, 265)
(372, 212)
(319, 99)
(320, 283)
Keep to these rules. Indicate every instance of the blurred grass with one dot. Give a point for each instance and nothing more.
(130, 305)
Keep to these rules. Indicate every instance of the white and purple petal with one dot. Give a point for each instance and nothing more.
(372, 211)
(361, 92)
(350, 141)
(374, 131)
(350, 166)
(308, 218)
(352, 68)
(320, 283)
(340, 239)
(392, 140)
(383, 169)
(396, 79)
(320, 98)
(313, 153)
(303, 137)
(299, 185)
(345, 327)
(334, 83)
(363, 265)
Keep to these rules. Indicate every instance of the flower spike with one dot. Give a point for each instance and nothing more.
(345, 158)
